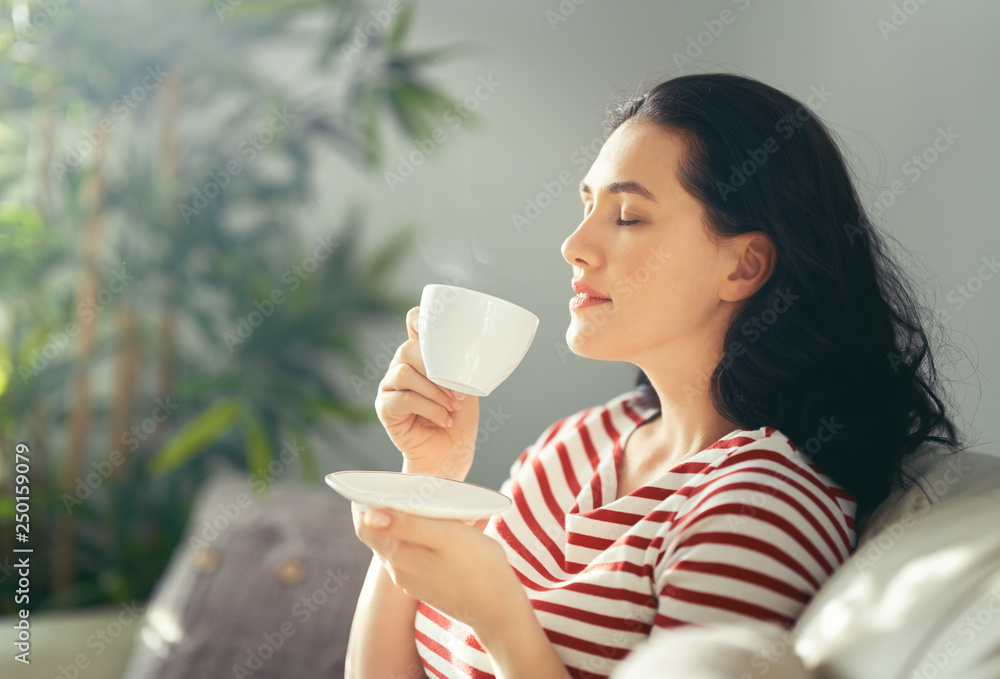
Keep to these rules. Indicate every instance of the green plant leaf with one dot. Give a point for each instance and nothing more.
(368, 109)
(434, 55)
(206, 234)
(199, 433)
(307, 458)
(402, 24)
(342, 411)
(258, 447)
(388, 256)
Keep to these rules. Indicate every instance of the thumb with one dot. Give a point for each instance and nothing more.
(412, 322)
(420, 530)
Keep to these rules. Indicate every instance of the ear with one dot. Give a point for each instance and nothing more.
(754, 258)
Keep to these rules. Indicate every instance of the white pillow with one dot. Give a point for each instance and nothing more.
(724, 652)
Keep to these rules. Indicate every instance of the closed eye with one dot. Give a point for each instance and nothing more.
(623, 222)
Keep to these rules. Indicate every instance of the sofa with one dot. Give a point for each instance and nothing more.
(265, 586)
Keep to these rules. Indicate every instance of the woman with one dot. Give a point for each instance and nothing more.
(784, 374)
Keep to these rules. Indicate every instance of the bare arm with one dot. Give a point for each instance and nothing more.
(435, 430)
(382, 644)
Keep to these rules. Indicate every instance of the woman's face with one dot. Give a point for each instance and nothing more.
(643, 256)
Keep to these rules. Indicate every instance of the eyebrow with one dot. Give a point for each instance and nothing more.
(623, 187)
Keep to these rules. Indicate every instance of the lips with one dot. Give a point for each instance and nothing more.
(581, 288)
(586, 296)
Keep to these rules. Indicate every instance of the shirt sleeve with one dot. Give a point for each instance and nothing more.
(754, 541)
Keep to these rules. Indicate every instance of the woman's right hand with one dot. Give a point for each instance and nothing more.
(434, 427)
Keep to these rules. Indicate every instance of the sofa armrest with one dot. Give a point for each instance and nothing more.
(90, 642)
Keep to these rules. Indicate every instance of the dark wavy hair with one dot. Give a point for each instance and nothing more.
(835, 337)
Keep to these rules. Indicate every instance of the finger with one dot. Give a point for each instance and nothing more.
(394, 406)
(371, 530)
(421, 530)
(404, 377)
(358, 512)
(478, 524)
(356, 515)
(413, 322)
(409, 352)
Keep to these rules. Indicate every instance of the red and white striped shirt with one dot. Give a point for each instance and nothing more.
(744, 531)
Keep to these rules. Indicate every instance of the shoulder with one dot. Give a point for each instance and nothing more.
(619, 412)
(765, 448)
(762, 469)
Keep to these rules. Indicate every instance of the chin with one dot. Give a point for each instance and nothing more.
(593, 346)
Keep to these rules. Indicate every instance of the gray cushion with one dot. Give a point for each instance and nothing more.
(933, 475)
(925, 573)
(263, 586)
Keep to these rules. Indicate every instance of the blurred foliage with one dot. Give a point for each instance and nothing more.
(161, 314)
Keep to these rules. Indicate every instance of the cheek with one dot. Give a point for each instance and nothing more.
(667, 300)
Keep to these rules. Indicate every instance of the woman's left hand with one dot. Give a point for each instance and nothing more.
(446, 563)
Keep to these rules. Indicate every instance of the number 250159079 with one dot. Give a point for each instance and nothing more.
(22, 466)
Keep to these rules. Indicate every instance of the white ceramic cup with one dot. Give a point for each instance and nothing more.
(471, 341)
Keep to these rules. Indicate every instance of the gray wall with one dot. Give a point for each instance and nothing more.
(893, 91)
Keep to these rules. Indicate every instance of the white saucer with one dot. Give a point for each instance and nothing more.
(419, 494)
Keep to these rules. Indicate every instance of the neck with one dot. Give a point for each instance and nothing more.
(689, 422)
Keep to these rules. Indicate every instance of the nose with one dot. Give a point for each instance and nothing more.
(580, 247)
